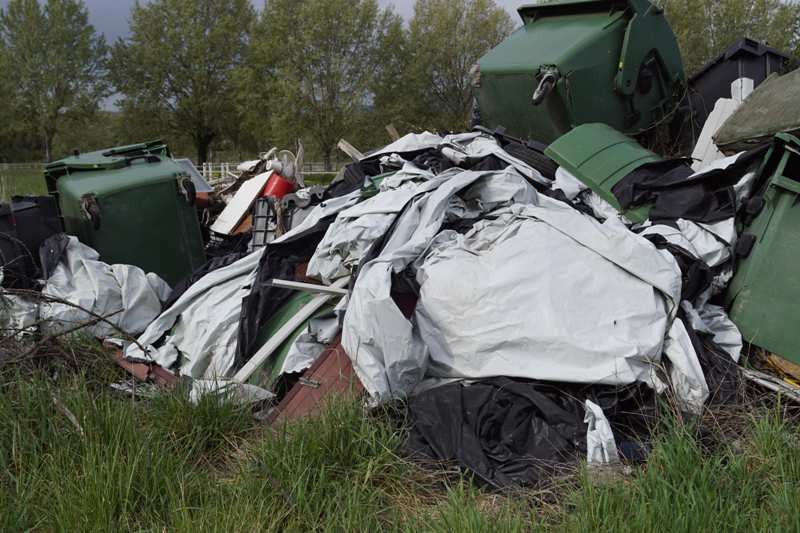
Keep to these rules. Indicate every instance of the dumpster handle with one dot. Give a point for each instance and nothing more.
(150, 158)
(546, 86)
(91, 210)
(188, 190)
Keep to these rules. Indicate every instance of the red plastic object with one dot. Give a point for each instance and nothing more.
(277, 186)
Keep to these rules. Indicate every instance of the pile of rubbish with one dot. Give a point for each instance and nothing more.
(530, 302)
(525, 317)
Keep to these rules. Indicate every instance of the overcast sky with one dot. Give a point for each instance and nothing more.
(111, 16)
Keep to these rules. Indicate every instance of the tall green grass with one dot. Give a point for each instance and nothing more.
(168, 465)
(23, 181)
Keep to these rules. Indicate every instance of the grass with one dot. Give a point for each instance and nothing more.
(168, 465)
(20, 181)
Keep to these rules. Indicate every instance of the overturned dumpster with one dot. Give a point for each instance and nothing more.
(575, 62)
(133, 205)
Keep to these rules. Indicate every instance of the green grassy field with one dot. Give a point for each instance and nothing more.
(167, 465)
(21, 181)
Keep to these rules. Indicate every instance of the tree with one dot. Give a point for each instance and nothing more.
(317, 62)
(447, 37)
(58, 62)
(704, 28)
(176, 69)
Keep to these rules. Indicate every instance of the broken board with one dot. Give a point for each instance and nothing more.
(239, 206)
(331, 375)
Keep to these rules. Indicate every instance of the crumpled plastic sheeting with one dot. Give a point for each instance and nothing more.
(18, 315)
(713, 243)
(201, 328)
(478, 145)
(460, 147)
(413, 142)
(601, 447)
(686, 375)
(713, 320)
(388, 356)
(507, 432)
(591, 302)
(310, 344)
(568, 184)
(238, 393)
(601, 208)
(354, 231)
(129, 298)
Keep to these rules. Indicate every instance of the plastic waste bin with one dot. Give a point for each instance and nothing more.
(134, 205)
(25, 224)
(576, 62)
(746, 58)
(764, 294)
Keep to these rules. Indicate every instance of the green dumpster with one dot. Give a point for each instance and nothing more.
(134, 205)
(575, 62)
(599, 156)
(764, 294)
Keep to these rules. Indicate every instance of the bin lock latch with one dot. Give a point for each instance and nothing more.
(548, 77)
(91, 210)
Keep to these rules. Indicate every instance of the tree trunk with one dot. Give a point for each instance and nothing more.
(48, 146)
(327, 153)
(202, 147)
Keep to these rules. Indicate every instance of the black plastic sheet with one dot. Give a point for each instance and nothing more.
(511, 432)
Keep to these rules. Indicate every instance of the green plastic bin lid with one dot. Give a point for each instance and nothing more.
(108, 159)
(600, 157)
(571, 7)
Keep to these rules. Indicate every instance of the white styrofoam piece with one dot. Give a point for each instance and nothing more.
(239, 206)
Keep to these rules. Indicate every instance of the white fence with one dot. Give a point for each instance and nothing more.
(226, 171)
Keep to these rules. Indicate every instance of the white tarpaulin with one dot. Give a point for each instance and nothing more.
(591, 302)
(354, 231)
(201, 327)
(376, 335)
(413, 142)
(123, 294)
(535, 290)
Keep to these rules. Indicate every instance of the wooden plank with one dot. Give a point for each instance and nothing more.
(350, 150)
(330, 376)
(142, 371)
